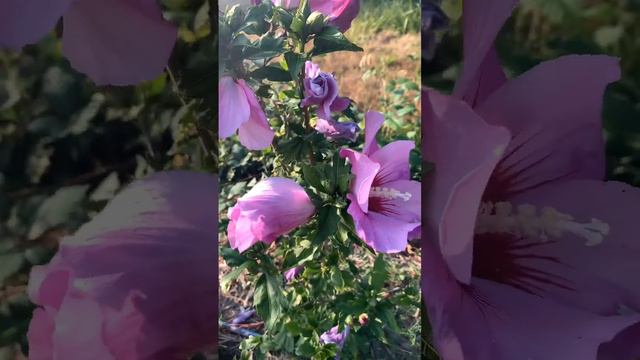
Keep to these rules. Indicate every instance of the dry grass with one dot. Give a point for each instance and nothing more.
(363, 75)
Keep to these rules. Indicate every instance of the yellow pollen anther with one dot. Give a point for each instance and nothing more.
(389, 193)
(528, 221)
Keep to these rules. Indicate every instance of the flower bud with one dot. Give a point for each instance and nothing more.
(363, 319)
(315, 22)
(272, 208)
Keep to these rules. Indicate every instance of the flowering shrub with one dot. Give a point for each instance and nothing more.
(317, 192)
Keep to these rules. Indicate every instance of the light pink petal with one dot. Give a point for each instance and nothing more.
(465, 150)
(233, 106)
(482, 21)
(273, 207)
(489, 78)
(78, 330)
(383, 233)
(48, 286)
(615, 260)
(255, 134)
(25, 22)
(394, 161)
(365, 171)
(118, 42)
(122, 326)
(554, 113)
(560, 332)
(458, 324)
(169, 220)
(40, 334)
(373, 121)
(404, 208)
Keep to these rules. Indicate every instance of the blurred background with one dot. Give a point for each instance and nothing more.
(541, 30)
(66, 146)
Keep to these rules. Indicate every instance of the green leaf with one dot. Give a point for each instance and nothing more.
(305, 348)
(389, 318)
(295, 62)
(266, 47)
(328, 220)
(336, 277)
(9, 265)
(271, 73)
(313, 177)
(268, 299)
(379, 273)
(224, 282)
(331, 40)
(232, 257)
(58, 209)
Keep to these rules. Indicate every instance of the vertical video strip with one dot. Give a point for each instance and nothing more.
(530, 250)
(320, 168)
(108, 180)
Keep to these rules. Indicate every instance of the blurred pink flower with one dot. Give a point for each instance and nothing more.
(137, 281)
(528, 253)
(239, 110)
(340, 13)
(273, 207)
(293, 273)
(385, 203)
(114, 42)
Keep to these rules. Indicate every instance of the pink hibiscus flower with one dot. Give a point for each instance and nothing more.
(114, 42)
(529, 253)
(239, 110)
(385, 203)
(136, 282)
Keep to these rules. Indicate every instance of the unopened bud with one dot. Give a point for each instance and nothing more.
(315, 22)
(363, 319)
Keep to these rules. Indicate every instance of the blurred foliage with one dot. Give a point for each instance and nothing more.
(546, 29)
(66, 146)
(402, 16)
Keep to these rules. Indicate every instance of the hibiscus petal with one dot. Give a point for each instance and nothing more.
(27, 21)
(40, 332)
(373, 121)
(482, 21)
(383, 233)
(394, 161)
(407, 208)
(615, 259)
(465, 150)
(233, 107)
(117, 42)
(561, 332)
(365, 171)
(625, 346)
(255, 134)
(554, 114)
(490, 77)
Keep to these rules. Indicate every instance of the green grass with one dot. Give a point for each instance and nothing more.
(402, 16)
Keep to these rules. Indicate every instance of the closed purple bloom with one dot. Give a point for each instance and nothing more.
(291, 274)
(335, 130)
(334, 337)
(321, 89)
(385, 203)
(114, 42)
